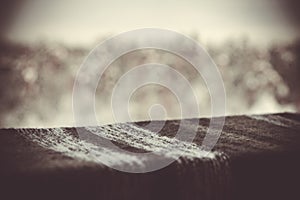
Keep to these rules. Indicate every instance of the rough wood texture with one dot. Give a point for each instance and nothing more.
(256, 157)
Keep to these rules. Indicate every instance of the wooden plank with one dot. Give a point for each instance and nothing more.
(256, 157)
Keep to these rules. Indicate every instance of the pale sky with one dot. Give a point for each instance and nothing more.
(79, 22)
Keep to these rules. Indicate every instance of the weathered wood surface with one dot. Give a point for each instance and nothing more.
(256, 157)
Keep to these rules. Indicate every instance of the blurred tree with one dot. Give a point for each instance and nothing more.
(286, 61)
(12, 83)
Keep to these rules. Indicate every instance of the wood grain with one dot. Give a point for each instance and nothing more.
(256, 157)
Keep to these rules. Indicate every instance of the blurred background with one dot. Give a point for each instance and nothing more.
(255, 44)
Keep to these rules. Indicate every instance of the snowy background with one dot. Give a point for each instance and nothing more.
(254, 44)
